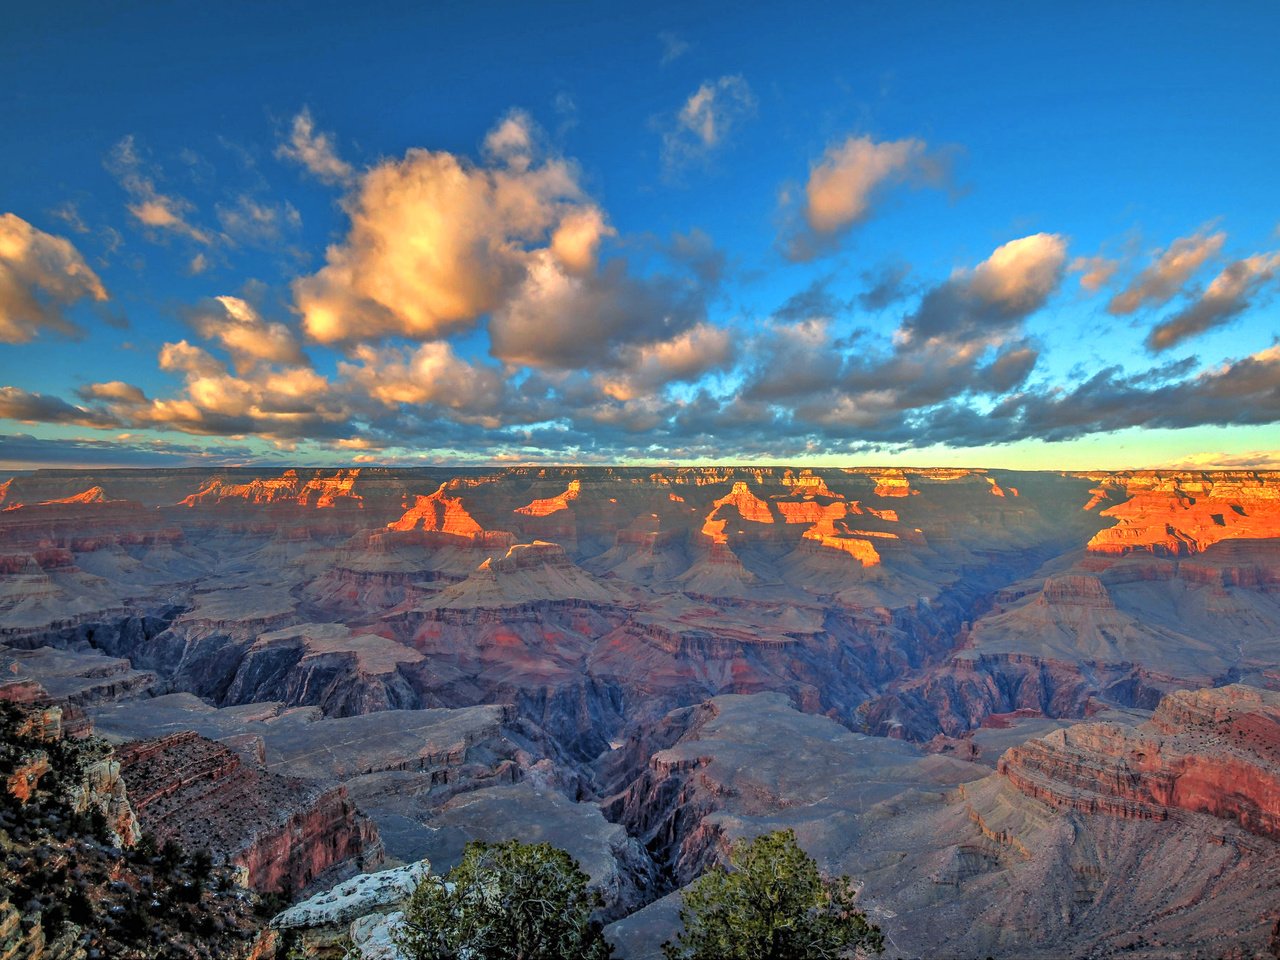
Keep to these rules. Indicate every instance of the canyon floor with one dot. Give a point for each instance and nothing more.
(1033, 714)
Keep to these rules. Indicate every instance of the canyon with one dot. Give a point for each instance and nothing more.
(1031, 713)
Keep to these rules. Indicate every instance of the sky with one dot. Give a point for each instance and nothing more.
(1037, 236)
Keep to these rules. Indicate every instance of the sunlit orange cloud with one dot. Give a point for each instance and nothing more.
(40, 275)
(436, 241)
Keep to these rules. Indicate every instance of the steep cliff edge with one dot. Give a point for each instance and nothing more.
(285, 832)
(75, 883)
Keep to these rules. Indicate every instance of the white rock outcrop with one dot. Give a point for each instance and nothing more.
(354, 899)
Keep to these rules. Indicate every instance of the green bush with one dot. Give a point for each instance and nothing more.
(505, 901)
(771, 904)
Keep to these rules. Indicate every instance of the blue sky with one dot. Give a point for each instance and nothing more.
(1009, 234)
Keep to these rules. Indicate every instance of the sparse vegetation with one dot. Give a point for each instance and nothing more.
(62, 873)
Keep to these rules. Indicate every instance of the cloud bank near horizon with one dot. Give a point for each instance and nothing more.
(487, 305)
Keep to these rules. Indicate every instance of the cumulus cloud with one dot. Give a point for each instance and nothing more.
(559, 319)
(1229, 294)
(1171, 268)
(115, 390)
(150, 207)
(40, 275)
(646, 368)
(436, 241)
(965, 341)
(428, 374)
(1015, 281)
(245, 334)
(315, 151)
(705, 121)
(279, 403)
(792, 359)
(511, 141)
(844, 185)
(576, 242)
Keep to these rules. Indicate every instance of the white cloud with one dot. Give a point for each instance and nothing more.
(647, 368)
(1229, 294)
(705, 121)
(249, 339)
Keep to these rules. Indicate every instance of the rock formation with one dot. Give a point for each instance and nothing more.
(550, 505)
(697, 651)
(1208, 751)
(284, 832)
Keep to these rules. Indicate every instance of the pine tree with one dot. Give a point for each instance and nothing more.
(771, 904)
(505, 901)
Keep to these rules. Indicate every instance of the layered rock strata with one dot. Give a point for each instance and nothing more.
(285, 832)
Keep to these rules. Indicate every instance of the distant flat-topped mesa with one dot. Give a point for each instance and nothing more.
(79, 522)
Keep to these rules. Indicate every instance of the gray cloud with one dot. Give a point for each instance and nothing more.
(885, 286)
(18, 404)
(1171, 268)
(1230, 294)
(1014, 282)
(23, 452)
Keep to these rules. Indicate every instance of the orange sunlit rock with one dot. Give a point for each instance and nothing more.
(1182, 515)
(999, 491)
(329, 492)
(439, 513)
(811, 511)
(92, 495)
(550, 505)
(318, 492)
(827, 534)
(749, 507)
(811, 486)
(893, 485)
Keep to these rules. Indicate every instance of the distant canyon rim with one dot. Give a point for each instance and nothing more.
(1033, 714)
